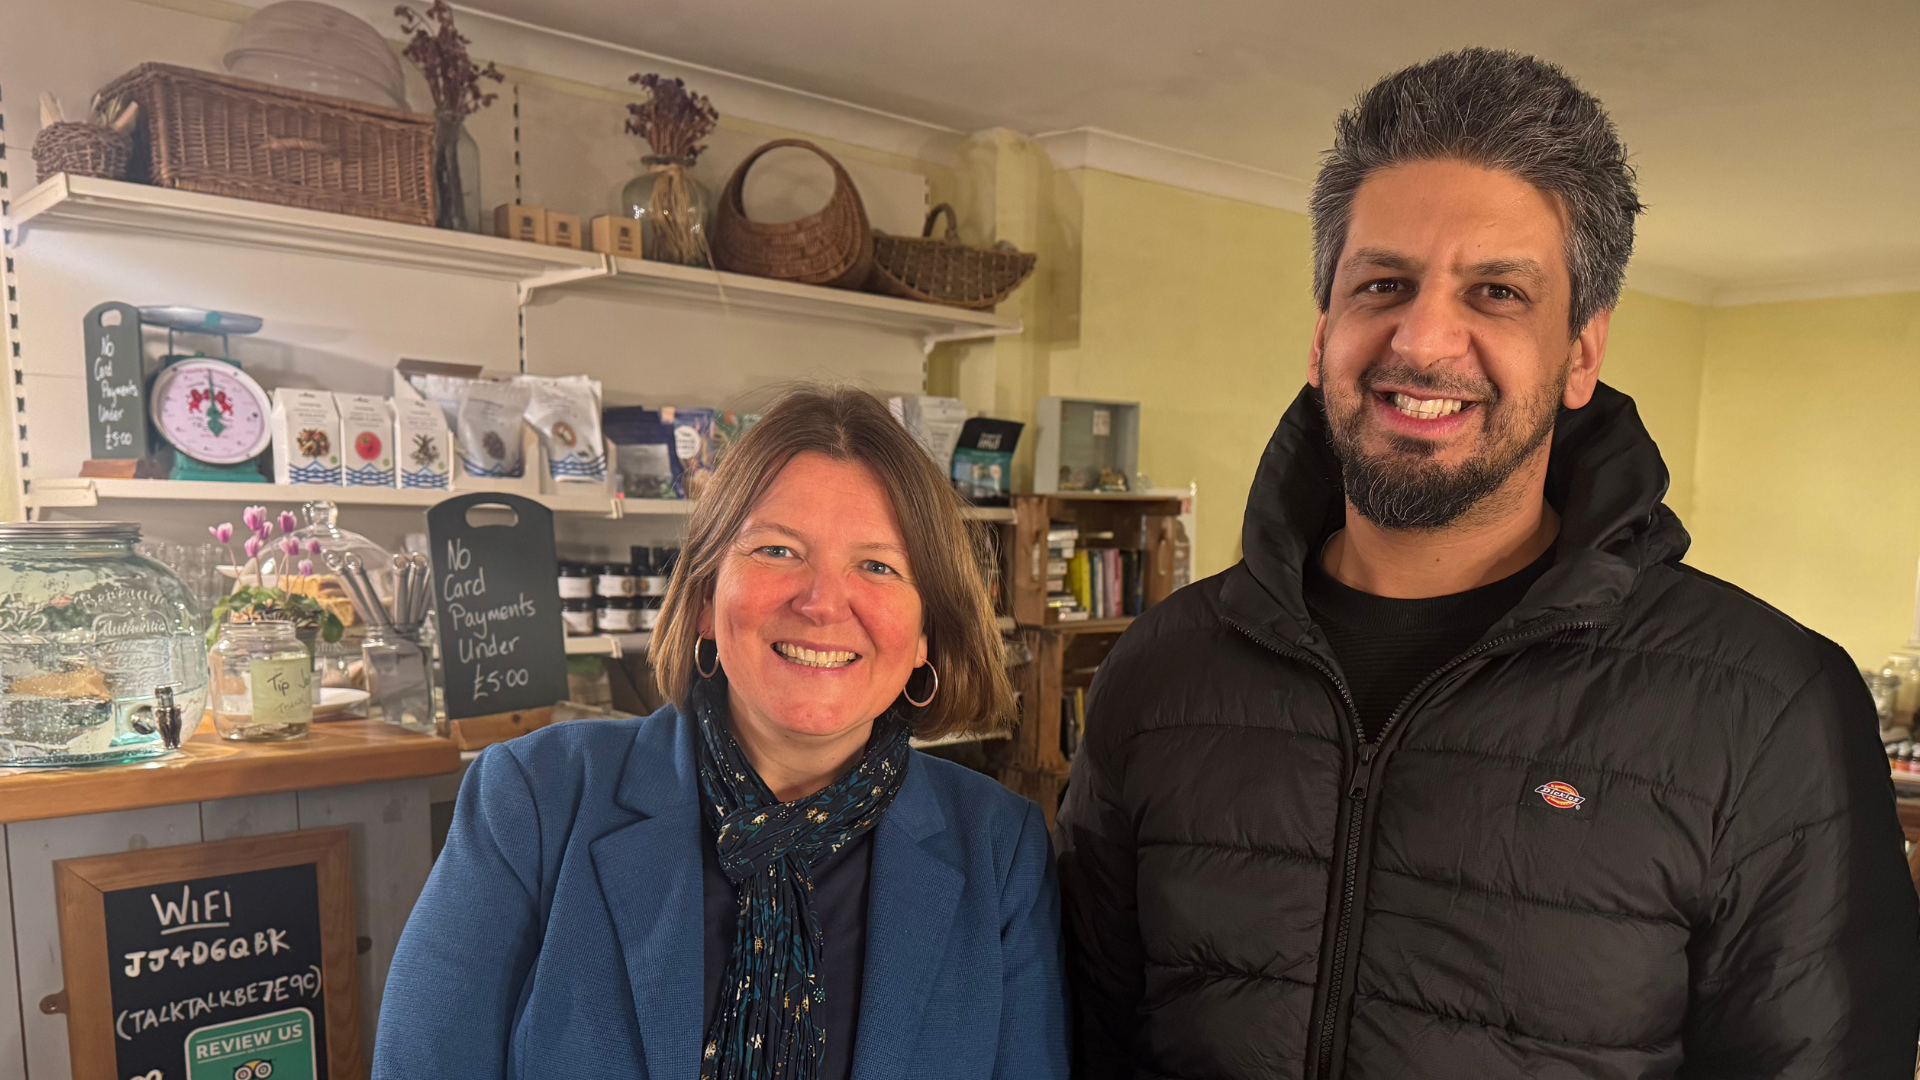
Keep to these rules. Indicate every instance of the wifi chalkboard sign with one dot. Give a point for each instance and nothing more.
(231, 960)
(497, 596)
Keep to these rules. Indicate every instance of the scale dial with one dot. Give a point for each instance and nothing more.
(211, 411)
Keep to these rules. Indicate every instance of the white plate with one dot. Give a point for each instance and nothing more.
(337, 701)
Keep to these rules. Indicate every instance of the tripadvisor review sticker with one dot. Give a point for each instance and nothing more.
(277, 1046)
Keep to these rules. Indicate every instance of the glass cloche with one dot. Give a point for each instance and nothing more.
(323, 528)
(94, 639)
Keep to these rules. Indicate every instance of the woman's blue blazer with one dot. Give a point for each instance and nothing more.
(561, 936)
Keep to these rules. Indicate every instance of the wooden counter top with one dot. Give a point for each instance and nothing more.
(209, 767)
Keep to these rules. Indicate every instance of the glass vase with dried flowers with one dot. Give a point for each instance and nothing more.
(670, 205)
(440, 52)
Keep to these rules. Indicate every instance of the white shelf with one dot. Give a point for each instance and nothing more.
(53, 494)
(83, 202)
(88, 491)
(615, 645)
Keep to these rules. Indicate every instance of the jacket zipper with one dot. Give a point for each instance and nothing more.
(1359, 784)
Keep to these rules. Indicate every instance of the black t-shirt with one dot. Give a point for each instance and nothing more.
(840, 903)
(1386, 646)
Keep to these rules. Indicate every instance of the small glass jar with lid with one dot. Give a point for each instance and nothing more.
(90, 633)
(262, 682)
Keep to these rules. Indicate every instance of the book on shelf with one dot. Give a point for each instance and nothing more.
(1073, 721)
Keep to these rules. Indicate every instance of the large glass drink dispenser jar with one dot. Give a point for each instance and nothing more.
(90, 632)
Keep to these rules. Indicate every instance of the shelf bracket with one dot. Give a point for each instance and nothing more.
(928, 341)
(529, 285)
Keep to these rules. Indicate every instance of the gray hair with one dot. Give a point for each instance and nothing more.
(1498, 110)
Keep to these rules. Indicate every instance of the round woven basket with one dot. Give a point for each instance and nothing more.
(945, 271)
(833, 247)
(80, 149)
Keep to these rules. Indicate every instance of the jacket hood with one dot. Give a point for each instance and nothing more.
(1605, 477)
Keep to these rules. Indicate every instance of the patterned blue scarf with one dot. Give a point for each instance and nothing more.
(765, 1029)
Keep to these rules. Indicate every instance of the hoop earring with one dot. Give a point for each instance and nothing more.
(701, 668)
(931, 670)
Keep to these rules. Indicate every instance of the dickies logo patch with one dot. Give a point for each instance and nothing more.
(1554, 795)
(1560, 795)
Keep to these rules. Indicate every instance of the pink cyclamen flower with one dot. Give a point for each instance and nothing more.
(254, 517)
(252, 547)
(289, 545)
(288, 522)
(222, 532)
(306, 567)
(313, 547)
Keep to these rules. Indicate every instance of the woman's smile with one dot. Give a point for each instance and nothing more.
(815, 657)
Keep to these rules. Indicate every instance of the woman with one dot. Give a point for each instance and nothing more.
(761, 880)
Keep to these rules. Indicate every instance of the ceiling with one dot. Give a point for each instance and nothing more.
(1776, 140)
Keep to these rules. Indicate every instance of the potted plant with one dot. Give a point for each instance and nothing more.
(440, 52)
(671, 207)
(255, 600)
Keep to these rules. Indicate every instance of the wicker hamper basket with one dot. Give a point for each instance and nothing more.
(225, 136)
(945, 271)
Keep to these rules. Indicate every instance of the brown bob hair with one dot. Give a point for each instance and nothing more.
(949, 562)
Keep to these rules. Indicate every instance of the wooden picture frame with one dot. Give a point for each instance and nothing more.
(81, 885)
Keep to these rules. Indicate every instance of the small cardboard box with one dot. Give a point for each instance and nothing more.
(306, 437)
(616, 236)
(517, 222)
(366, 438)
(563, 230)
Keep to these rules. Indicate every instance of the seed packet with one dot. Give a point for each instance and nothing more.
(934, 423)
(306, 437)
(693, 460)
(366, 440)
(487, 431)
(422, 444)
(642, 452)
(728, 428)
(983, 460)
(565, 413)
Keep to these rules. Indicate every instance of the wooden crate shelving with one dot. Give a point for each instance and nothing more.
(1033, 762)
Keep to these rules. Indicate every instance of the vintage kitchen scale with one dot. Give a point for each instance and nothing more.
(213, 415)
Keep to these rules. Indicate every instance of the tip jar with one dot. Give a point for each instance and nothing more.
(262, 682)
(90, 632)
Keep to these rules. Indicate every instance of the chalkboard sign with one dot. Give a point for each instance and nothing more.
(230, 960)
(116, 382)
(497, 596)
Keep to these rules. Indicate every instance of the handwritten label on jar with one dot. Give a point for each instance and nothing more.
(282, 690)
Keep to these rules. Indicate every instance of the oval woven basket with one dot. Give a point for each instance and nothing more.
(833, 247)
(945, 271)
(81, 149)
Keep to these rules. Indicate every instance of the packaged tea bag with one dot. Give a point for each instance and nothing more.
(642, 452)
(693, 460)
(487, 429)
(565, 413)
(366, 434)
(422, 444)
(306, 437)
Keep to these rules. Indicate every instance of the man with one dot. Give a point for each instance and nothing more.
(1461, 773)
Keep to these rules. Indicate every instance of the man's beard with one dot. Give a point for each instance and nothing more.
(1404, 488)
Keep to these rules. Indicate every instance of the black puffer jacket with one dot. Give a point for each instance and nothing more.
(1643, 829)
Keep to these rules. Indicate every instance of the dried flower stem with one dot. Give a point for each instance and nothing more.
(440, 51)
(671, 120)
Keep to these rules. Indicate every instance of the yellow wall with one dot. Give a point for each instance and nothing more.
(1807, 492)
(1655, 352)
(1199, 308)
